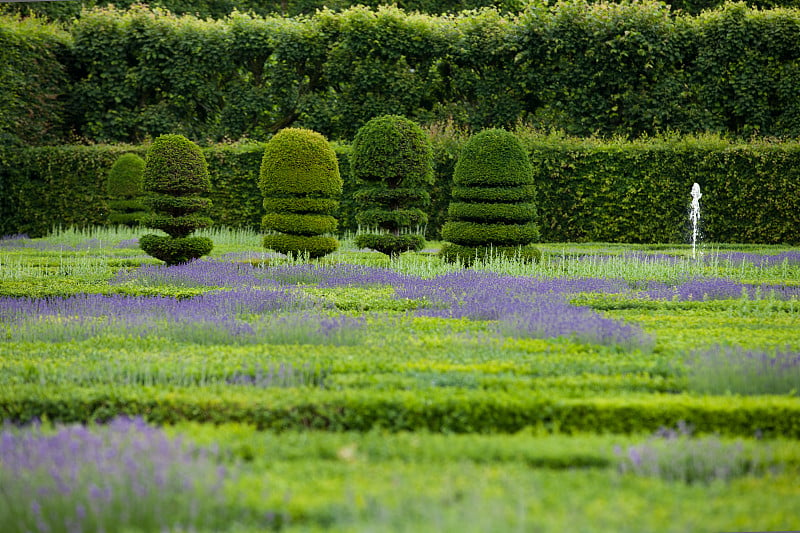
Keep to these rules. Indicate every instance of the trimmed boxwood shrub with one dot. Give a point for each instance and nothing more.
(392, 163)
(301, 184)
(175, 174)
(492, 211)
(124, 187)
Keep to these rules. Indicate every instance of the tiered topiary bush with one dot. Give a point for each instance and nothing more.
(301, 184)
(124, 188)
(392, 162)
(493, 208)
(175, 175)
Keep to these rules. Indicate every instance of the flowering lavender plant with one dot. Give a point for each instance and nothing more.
(727, 369)
(674, 455)
(125, 475)
(525, 307)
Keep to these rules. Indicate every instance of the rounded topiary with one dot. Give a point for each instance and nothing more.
(392, 162)
(124, 187)
(301, 185)
(493, 210)
(175, 175)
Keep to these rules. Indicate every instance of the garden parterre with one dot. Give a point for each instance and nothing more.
(606, 387)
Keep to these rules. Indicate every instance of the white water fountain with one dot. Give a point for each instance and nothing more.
(694, 217)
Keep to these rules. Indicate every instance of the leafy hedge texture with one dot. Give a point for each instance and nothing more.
(629, 69)
(175, 173)
(301, 184)
(34, 78)
(221, 8)
(490, 162)
(125, 189)
(392, 163)
(586, 189)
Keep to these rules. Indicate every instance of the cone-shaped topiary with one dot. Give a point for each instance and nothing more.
(124, 187)
(392, 162)
(493, 209)
(175, 175)
(301, 184)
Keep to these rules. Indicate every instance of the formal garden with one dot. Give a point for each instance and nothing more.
(433, 267)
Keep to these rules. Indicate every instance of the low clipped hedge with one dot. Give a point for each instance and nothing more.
(456, 411)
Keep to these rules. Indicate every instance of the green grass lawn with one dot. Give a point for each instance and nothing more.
(632, 388)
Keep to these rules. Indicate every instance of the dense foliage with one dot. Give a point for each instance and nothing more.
(586, 189)
(221, 8)
(493, 210)
(300, 181)
(175, 175)
(124, 186)
(392, 165)
(629, 69)
(34, 80)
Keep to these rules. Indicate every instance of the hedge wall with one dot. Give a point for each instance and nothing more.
(33, 81)
(587, 189)
(221, 8)
(640, 192)
(630, 69)
(441, 410)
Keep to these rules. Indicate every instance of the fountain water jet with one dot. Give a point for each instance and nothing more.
(694, 217)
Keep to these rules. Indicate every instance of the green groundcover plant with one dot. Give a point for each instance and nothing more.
(254, 391)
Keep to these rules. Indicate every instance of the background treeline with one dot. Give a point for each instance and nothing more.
(630, 70)
(66, 10)
(587, 189)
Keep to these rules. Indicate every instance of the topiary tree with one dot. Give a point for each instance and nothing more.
(175, 175)
(392, 163)
(124, 187)
(301, 184)
(493, 208)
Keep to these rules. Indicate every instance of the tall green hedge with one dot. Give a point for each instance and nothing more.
(33, 81)
(631, 69)
(586, 189)
(221, 8)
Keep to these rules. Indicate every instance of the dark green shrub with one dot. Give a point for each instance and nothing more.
(175, 174)
(174, 250)
(493, 210)
(392, 162)
(124, 187)
(301, 185)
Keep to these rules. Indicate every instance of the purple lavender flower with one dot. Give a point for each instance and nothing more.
(729, 369)
(110, 478)
(674, 455)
